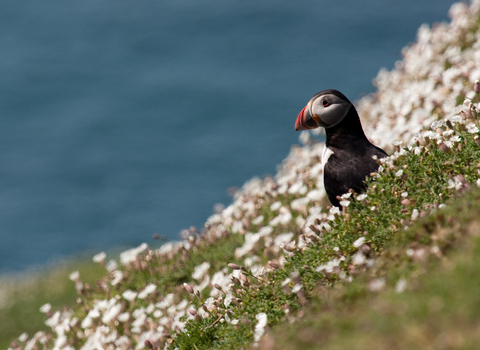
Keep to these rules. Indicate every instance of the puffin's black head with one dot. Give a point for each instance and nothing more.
(325, 109)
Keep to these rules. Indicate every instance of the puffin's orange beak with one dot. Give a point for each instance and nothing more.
(305, 120)
(300, 123)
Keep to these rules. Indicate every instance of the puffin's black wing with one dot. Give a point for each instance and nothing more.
(344, 171)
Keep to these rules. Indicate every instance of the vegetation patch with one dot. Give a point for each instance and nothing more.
(429, 298)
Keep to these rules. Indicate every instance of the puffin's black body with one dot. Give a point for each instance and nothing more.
(348, 155)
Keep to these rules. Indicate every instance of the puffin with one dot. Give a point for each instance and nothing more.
(348, 157)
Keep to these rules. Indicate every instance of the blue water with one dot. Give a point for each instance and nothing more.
(120, 119)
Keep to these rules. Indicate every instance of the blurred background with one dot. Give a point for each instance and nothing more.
(121, 119)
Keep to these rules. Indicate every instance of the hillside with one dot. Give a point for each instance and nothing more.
(279, 268)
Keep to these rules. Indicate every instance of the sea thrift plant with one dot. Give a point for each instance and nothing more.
(258, 260)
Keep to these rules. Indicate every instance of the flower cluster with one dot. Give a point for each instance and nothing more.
(433, 77)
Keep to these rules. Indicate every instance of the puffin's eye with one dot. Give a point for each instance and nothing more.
(325, 103)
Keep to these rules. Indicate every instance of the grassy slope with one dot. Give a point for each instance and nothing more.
(438, 310)
(425, 177)
(24, 294)
(347, 315)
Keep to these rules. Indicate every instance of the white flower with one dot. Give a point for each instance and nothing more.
(129, 295)
(250, 240)
(359, 259)
(209, 303)
(297, 187)
(130, 255)
(300, 221)
(166, 302)
(282, 239)
(258, 220)
(404, 194)
(361, 197)
(296, 288)
(111, 265)
(399, 173)
(456, 119)
(448, 132)
(53, 321)
(432, 135)
(117, 277)
(182, 305)
(46, 308)
(200, 271)
(251, 260)
(237, 226)
(376, 284)
(149, 289)
(111, 313)
(455, 138)
(23, 337)
(87, 322)
(334, 210)
(300, 204)
(100, 257)
(228, 299)
(449, 144)
(315, 195)
(283, 218)
(401, 285)
(359, 242)
(74, 276)
(124, 317)
(260, 326)
(330, 266)
(454, 183)
(472, 128)
(94, 313)
(275, 206)
(436, 124)
(415, 214)
(344, 203)
(140, 319)
(316, 170)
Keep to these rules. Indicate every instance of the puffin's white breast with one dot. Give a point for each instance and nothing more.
(325, 155)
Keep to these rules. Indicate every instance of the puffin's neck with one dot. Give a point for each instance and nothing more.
(348, 133)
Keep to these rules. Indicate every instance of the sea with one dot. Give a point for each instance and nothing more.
(121, 119)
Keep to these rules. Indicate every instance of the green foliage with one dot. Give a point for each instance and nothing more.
(23, 295)
(439, 308)
(413, 185)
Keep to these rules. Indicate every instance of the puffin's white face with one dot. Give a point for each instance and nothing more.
(323, 110)
(328, 110)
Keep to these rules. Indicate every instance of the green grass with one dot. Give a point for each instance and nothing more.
(22, 295)
(425, 177)
(438, 310)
